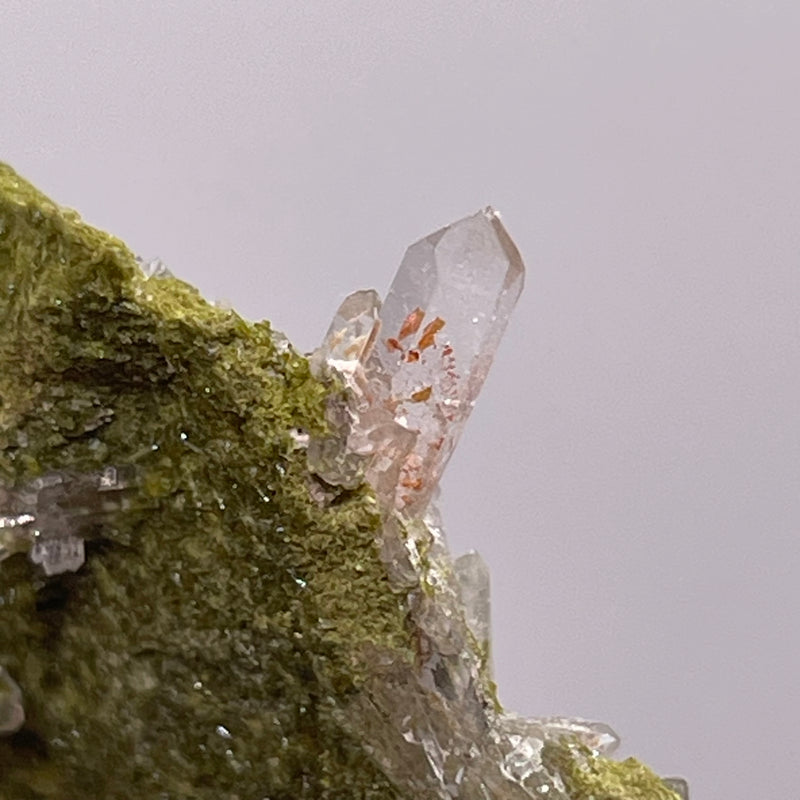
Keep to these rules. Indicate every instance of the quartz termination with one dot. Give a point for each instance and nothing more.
(413, 367)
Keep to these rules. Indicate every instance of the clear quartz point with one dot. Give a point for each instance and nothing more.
(679, 786)
(57, 554)
(598, 736)
(50, 517)
(523, 740)
(366, 441)
(154, 268)
(352, 332)
(417, 362)
(441, 324)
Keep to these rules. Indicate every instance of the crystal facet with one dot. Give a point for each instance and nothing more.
(154, 268)
(416, 363)
(352, 332)
(679, 786)
(473, 580)
(441, 324)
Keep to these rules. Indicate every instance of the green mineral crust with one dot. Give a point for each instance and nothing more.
(204, 647)
(589, 777)
(187, 609)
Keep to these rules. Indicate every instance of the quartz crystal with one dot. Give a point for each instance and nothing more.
(441, 323)
(414, 366)
(50, 517)
(473, 582)
(222, 568)
(154, 268)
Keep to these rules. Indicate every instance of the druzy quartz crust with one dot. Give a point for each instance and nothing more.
(222, 571)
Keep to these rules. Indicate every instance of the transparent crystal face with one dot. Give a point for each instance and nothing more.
(353, 330)
(417, 362)
(679, 786)
(441, 324)
(154, 268)
(12, 714)
(473, 580)
(414, 366)
(49, 517)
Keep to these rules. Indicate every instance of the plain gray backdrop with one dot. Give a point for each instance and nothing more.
(631, 470)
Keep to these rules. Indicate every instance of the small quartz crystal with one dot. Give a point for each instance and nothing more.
(679, 786)
(473, 580)
(154, 268)
(268, 607)
(417, 362)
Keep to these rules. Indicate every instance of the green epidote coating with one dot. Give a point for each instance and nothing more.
(587, 776)
(219, 626)
(207, 645)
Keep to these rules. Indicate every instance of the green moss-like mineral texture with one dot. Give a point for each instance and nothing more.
(216, 627)
(587, 776)
(231, 608)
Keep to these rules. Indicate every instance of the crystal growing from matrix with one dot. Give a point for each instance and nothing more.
(222, 568)
(414, 366)
(679, 786)
(441, 323)
(417, 361)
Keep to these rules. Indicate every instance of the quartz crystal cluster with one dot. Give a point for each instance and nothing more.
(222, 570)
(413, 367)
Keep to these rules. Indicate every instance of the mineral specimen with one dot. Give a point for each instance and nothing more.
(223, 573)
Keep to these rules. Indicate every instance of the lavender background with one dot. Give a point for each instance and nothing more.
(631, 471)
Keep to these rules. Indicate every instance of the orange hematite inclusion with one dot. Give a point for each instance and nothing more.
(428, 335)
(422, 395)
(456, 288)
